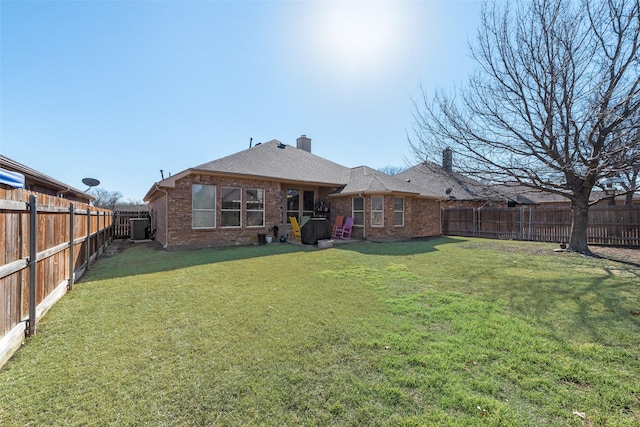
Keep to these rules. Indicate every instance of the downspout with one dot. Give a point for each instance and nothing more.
(63, 192)
(166, 215)
(364, 217)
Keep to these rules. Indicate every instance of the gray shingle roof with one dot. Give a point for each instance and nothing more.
(363, 179)
(276, 160)
(529, 196)
(435, 180)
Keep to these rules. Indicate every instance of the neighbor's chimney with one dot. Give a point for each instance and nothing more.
(447, 160)
(304, 143)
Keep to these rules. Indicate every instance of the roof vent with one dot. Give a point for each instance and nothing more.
(281, 145)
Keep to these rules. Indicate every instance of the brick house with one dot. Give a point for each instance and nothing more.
(229, 201)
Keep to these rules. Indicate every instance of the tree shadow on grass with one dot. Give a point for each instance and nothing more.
(597, 309)
(629, 263)
(402, 248)
(146, 258)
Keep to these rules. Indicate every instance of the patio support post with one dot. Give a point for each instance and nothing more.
(33, 263)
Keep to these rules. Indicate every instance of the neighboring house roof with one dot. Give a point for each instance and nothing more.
(364, 180)
(278, 161)
(34, 177)
(529, 196)
(448, 185)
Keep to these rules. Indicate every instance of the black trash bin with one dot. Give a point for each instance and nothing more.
(262, 239)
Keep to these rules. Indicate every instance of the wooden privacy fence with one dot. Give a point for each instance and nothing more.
(47, 243)
(608, 225)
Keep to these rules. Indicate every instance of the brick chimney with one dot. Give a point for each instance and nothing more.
(304, 143)
(447, 160)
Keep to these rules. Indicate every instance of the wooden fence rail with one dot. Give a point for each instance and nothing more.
(608, 225)
(46, 244)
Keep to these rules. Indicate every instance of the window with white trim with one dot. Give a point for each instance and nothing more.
(231, 207)
(255, 207)
(293, 203)
(203, 206)
(377, 211)
(299, 208)
(398, 211)
(357, 210)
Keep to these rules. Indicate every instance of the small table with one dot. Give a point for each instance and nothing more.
(315, 229)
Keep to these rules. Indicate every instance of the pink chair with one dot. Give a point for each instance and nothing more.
(344, 232)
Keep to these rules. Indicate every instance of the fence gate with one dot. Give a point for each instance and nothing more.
(122, 223)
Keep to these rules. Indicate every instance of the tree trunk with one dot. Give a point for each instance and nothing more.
(579, 223)
(628, 199)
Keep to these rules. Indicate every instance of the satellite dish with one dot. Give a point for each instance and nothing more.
(91, 182)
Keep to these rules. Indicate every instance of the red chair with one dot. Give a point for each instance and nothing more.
(336, 225)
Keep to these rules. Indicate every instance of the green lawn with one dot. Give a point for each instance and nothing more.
(441, 332)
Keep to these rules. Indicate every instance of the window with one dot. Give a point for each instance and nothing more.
(203, 204)
(377, 211)
(231, 206)
(255, 207)
(398, 211)
(293, 203)
(295, 208)
(357, 210)
(308, 202)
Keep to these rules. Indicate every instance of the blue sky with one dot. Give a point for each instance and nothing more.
(118, 90)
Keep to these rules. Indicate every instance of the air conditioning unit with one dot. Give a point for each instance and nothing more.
(138, 228)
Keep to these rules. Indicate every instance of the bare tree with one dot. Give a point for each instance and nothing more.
(553, 104)
(630, 178)
(105, 198)
(392, 170)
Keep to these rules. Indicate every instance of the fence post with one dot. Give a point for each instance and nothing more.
(521, 223)
(88, 237)
(71, 221)
(473, 221)
(33, 263)
(104, 231)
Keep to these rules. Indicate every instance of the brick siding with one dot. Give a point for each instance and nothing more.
(422, 217)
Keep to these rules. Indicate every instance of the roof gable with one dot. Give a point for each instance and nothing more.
(365, 180)
(276, 160)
